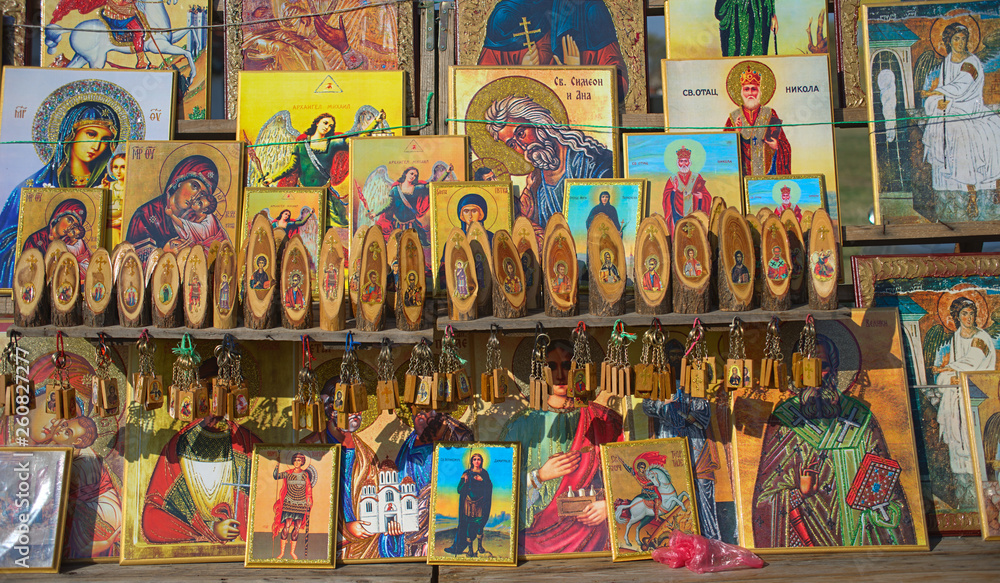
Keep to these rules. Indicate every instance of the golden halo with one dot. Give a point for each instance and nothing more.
(212, 153)
(767, 82)
(795, 194)
(55, 201)
(965, 290)
(483, 143)
(962, 17)
(491, 206)
(285, 457)
(55, 120)
(499, 170)
(259, 255)
(483, 451)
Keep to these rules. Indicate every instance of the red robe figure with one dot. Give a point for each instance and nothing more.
(553, 32)
(685, 192)
(764, 149)
(294, 503)
(786, 203)
(191, 496)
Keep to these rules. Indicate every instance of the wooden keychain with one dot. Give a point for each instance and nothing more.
(493, 383)
(420, 376)
(582, 372)
(387, 389)
(695, 364)
(452, 369)
(230, 396)
(147, 386)
(17, 391)
(807, 369)
(351, 395)
(60, 396)
(307, 411)
(188, 398)
(653, 376)
(103, 388)
(738, 373)
(540, 379)
(616, 372)
(773, 374)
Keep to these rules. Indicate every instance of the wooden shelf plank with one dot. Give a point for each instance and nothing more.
(716, 318)
(119, 333)
(208, 572)
(921, 233)
(971, 559)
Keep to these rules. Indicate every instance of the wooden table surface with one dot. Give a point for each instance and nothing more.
(961, 559)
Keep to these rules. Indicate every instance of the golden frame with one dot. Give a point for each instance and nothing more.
(679, 444)
(233, 63)
(515, 448)
(60, 535)
(98, 195)
(330, 523)
(975, 441)
(436, 188)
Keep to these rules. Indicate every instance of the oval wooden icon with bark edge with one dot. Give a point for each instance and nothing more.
(166, 283)
(559, 262)
(52, 253)
(796, 249)
(715, 216)
(260, 267)
(329, 271)
(151, 261)
(692, 261)
(196, 284)
(652, 259)
(29, 279)
(373, 275)
(701, 217)
(296, 285)
(482, 258)
(392, 255)
(606, 258)
(735, 237)
(182, 257)
(774, 256)
(65, 282)
(458, 267)
(523, 234)
(224, 282)
(354, 271)
(509, 273)
(824, 260)
(131, 288)
(412, 276)
(98, 281)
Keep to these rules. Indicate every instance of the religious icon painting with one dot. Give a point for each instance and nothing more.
(69, 130)
(73, 215)
(780, 108)
(297, 211)
(833, 467)
(182, 194)
(96, 482)
(946, 306)
(460, 205)
(495, 33)
(731, 28)
(177, 38)
(945, 166)
(684, 172)
(981, 396)
(293, 121)
(187, 494)
(294, 504)
(474, 504)
(539, 126)
(637, 473)
(34, 488)
(802, 194)
(619, 199)
(391, 179)
(354, 35)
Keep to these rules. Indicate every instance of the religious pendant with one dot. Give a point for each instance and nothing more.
(766, 372)
(666, 385)
(238, 402)
(68, 398)
(153, 389)
(202, 402)
(306, 416)
(747, 372)
(341, 398)
(174, 395)
(486, 387)
(462, 385)
(685, 380)
(109, 397)
(797, 370)
(812, 369)
(625, 381)
(359, 397)
(425, 389)
(410, 383)
(734, 374)
(186, 405)
(53, 398)
(698, 380)
(499, 385)
(646, 381)
(220, 397)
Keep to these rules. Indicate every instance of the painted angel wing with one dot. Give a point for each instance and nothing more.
(925, 73)
(994, 328)
(303, 213)
(442, 171)
(936, 337)
(267, 159)
(377, 193)
(989, 47)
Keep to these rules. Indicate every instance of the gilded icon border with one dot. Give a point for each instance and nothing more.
(60, 534)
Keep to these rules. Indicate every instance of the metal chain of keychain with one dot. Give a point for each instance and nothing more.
(60, 396)
(616, 372)
(307, 411)
(420, 376)
(455, 385)
(695, 365)
(773, 374)
(540, 379)
(188, 398)
(583, 372)
(738, 373)
(806, 367)
(387, 388)
(147, 386)
(103, 388)
(493, 382)
(653, 378)
(8, 374)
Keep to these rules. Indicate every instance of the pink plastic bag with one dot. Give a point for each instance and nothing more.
(703, 555)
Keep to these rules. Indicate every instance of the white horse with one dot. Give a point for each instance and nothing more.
(641, 513)
(91, 39)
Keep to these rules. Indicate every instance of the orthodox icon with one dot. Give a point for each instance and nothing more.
(652, 485)
(685, 172)
(474, 501)
(947, 317)
(802, 194)
(835, 467)
(182, 194)
(74, 216)
(619, 199)
(70, 127)
(36, 482)
(981, 394)
(946, 166)
(539, 129)
(294, 499)
(297, 211)
(558, 32)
